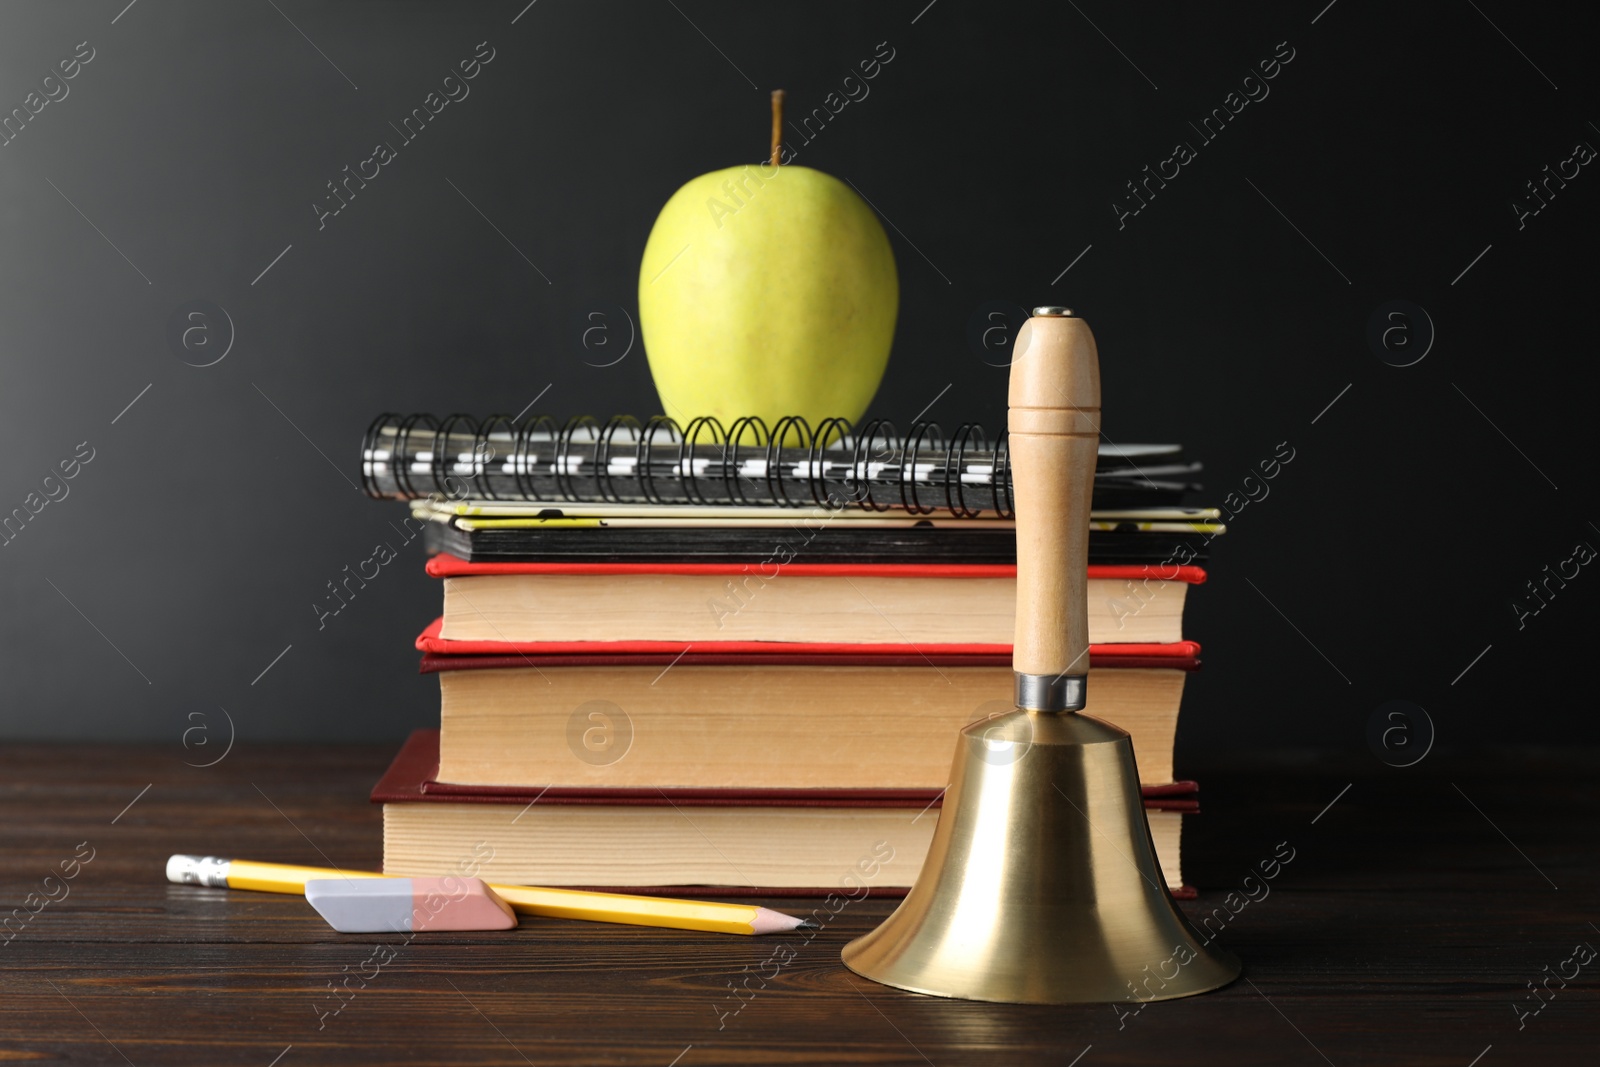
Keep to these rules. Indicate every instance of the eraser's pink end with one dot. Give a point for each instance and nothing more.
(454, 903)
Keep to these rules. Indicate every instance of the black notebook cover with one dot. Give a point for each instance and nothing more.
(828, 544)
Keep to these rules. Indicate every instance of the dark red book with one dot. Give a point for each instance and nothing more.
(691, 842)
(414, 776)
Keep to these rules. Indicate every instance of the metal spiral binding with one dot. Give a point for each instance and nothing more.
(789, 464)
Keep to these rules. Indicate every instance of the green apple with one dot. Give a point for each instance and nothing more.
(767, 290)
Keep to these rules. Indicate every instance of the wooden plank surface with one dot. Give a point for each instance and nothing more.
(1404, 931)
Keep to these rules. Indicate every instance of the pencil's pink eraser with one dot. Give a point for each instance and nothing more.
(452, 903)
(369, 905)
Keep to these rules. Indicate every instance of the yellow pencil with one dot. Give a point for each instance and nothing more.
(528, 900)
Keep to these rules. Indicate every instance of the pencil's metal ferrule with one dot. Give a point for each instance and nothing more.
(1052, 692)
(198, 870)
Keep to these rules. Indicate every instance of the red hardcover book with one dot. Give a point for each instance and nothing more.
(796, 719)
(1181, 654)
(809, 608)
(677, 694)
(444, 565)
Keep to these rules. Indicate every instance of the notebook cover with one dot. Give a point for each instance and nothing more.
(486, 508)
(445, 565)
(430, 641)
(835, 543)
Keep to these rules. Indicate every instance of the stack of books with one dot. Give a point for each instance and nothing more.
(672, 695)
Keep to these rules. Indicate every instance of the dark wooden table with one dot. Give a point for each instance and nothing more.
(1406, 930)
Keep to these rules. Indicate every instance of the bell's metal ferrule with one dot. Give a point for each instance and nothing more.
(1052, 692)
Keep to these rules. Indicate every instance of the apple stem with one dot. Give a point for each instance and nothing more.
(777, 125)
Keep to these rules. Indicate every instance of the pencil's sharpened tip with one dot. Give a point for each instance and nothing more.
(809, 924)
(767, 921)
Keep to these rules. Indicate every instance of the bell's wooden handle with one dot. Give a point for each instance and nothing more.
(1054, 422)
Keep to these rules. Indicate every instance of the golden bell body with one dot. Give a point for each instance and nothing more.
(1042, 885)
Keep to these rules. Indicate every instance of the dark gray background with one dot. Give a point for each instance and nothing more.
(190, 551)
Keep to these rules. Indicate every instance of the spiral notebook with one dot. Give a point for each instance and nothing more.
(790, 464)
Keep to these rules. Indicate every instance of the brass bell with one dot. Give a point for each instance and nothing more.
(1041, 885)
